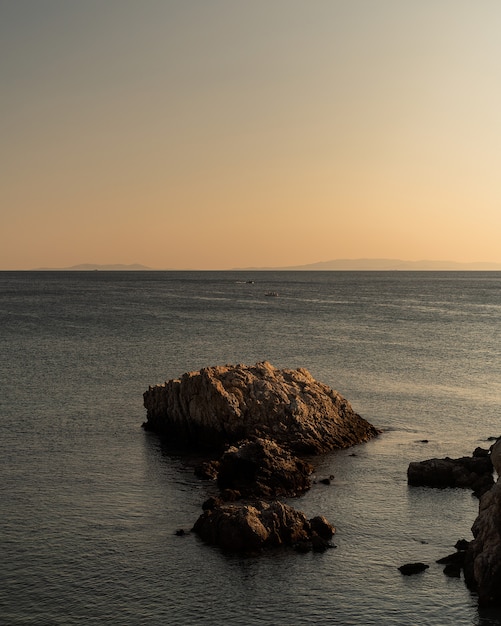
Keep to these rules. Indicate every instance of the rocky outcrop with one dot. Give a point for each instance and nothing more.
(412, 568)
(225, 404)
(482, 566)
(253, 527)
(261, 468)
(454, 562)
(473, 472)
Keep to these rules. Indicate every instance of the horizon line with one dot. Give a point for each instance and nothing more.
(356, 264)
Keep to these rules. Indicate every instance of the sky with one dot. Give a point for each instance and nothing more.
(213, 134)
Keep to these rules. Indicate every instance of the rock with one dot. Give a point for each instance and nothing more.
(462, 545)
(211, 503)
(412, 568)
(320, 526)
(480, 452)
(207, 470)
(482, 567)
(453, 570)
(261, 468)
(249, 528)
(327, 480)
(496, 456)
(224, 404)
(472, 472)
(454, 563)
(230, 495)
(319, 544)
(455, 557)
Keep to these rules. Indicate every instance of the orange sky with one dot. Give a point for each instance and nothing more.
(215, 134)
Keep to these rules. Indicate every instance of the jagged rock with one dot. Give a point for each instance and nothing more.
(224, 404)
(482, 567)
(207, 470)
(248, 528)
(261, 468)
(471, 472)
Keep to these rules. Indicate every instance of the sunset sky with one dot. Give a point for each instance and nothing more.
(215, 134)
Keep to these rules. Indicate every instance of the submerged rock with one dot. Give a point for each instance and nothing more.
(473, 472)
(253, 527)
(224, 404)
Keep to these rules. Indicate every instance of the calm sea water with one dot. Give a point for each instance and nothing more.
(90, 502)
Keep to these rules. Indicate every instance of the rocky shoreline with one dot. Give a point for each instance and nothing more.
(258, 418)
(480, 558)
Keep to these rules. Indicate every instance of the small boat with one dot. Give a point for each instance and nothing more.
(273, 294)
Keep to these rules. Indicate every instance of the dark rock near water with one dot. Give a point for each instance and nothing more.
(320, 526)
(262, 468)
(482, 567)
(462, 544)
(471, 472)
(225, 404)
(253, 527)
(263, 416)
(207, 470)
(455, 557)
(412, 568)
(326, 481)
(453, 570)
(481, 452)
(454, 563)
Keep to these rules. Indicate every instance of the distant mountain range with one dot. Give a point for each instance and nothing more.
(89, 267)
(363, 265)
(386, 265)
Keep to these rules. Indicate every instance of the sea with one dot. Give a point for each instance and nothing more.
(90, 503)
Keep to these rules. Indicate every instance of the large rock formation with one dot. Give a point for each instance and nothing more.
(483, 558)
(251, 527)
(228, 403)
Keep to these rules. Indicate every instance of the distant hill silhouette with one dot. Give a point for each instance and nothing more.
(89, 267)
(387, 265)
(362, 265)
